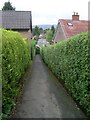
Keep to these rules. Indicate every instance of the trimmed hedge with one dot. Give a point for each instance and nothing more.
(69, 60)
(15, 60)
(0, 74)
(33, 48)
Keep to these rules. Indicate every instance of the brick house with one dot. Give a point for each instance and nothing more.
(20, 21)
(67, 28)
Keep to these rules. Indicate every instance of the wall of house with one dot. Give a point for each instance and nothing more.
(26, 34)
(59, 34)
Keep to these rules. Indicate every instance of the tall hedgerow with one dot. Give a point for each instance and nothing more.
(15, 59)
(0, 73)
(69, 60)
(33, 48)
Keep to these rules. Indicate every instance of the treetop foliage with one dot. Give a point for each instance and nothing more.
(8, 6)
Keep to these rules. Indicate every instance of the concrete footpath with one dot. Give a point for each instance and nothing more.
(44, 97)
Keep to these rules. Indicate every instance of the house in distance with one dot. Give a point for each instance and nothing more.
(67, 28)
(20, 21)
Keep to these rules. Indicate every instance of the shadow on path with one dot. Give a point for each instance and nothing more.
(45, 97)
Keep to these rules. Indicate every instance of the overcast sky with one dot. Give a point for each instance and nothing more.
(49, 11)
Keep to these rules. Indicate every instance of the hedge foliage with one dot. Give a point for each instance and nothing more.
(0, 73)
(69, 60)
(33, 48)
(15, 59)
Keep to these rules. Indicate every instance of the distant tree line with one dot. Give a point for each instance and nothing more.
(49, 33)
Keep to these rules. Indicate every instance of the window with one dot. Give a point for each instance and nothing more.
(69, 24)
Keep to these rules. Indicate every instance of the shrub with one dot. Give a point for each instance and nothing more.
(69, 60)
(15, 59)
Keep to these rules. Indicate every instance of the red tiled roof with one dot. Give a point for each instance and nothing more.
(74, 28)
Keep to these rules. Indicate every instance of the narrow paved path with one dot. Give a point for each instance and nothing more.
(44, 96)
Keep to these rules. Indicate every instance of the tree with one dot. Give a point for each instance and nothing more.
(53, 29)
(36, 31)
(8, 6)
(41, 30)
(45, 31)
(49, 36)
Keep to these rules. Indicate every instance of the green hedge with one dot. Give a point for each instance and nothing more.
(69, 60)
(33, 48)
(0, 73)
(15, 59)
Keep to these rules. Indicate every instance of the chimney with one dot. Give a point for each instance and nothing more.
(75, 16)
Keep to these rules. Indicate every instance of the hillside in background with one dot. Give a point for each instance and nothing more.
(44, 26)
